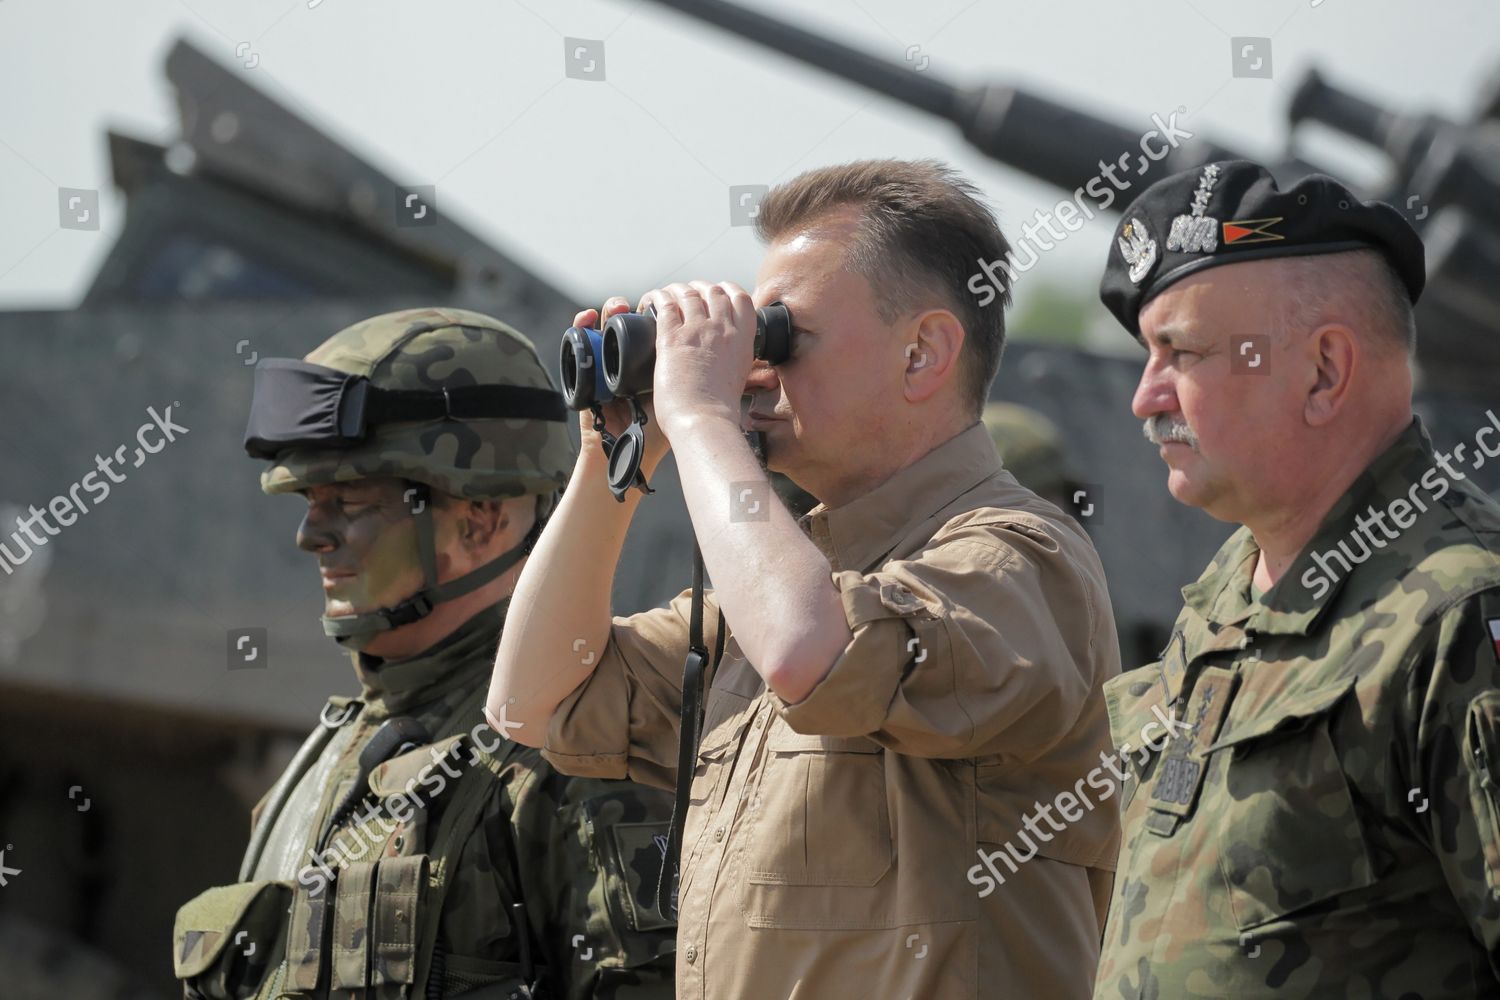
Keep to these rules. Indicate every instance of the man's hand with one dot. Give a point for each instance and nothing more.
(705, 347)
(617, 414)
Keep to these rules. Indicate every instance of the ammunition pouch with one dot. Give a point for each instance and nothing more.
(226, 939)
(365, 927)
(359, 933)
(271, 939)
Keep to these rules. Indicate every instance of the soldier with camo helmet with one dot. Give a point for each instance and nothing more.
(1032, 450)
(409, 850)
(1311, 805)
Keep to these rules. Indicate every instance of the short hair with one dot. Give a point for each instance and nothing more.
(1357, 286)
(921, 231)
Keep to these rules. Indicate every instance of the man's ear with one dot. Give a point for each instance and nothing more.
(480, 521)
(1334, 351)
(934, 340)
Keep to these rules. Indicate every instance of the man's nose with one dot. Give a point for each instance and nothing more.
(1155, 393)
(313, 535)
(762, 378)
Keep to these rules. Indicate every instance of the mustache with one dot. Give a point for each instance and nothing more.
(1162, 429)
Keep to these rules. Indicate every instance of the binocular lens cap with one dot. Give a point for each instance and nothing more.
(625, 459)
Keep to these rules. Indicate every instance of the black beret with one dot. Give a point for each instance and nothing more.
(1232, 211)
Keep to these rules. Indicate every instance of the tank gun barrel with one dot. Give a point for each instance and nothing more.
(1404, 137)
(1436, 161)
(1045, 139)
(920, 90)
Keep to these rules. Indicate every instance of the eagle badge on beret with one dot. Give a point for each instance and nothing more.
(1235, 211)
(1138, 249)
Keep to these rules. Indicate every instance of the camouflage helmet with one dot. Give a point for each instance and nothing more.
(1030, 447)
(437, 349)
(453, 401)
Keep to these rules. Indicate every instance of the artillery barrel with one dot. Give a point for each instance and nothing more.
(1045, 139)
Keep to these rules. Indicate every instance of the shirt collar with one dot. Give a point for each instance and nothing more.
(399, 687)
(1221, 596)
(858, 534)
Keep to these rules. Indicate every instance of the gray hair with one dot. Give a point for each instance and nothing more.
(1358, 287)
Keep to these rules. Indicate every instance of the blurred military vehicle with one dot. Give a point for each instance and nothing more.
(1445, 177)
(160, 663)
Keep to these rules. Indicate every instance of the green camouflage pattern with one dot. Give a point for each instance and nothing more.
(571, 849)
(432, 349)
(1031, 449)
(580, 853)
(1322, 821)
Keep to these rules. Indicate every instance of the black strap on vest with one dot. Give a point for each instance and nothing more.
(689, 734)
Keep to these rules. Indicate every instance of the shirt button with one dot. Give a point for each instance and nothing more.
(898, 597)
(692, 954)
(719, 833)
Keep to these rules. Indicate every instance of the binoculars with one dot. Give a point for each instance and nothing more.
(618, 361)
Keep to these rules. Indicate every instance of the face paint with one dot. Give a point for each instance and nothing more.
(366, 541)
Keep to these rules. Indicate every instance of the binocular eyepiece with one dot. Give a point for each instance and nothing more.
(618, 361)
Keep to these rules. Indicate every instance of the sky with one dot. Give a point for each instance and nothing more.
(622, 183)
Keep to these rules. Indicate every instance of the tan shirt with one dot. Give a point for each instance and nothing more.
(831, 847)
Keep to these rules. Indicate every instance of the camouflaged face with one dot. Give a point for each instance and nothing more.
(1328, 823)
(433, 349)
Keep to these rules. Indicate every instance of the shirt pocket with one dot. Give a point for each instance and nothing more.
(1289, 834)
(1482, 752)
(818, 833)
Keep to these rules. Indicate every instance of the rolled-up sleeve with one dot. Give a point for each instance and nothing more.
(622, 722)
(984, 642)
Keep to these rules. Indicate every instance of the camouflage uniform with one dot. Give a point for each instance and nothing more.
(406, 888)
(1324, 820)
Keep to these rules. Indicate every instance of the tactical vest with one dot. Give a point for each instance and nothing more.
(371, 930)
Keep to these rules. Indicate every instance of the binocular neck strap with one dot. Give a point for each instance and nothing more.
(355, 631)
(689, 734)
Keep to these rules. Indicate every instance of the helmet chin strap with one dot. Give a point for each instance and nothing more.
(356, 631)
